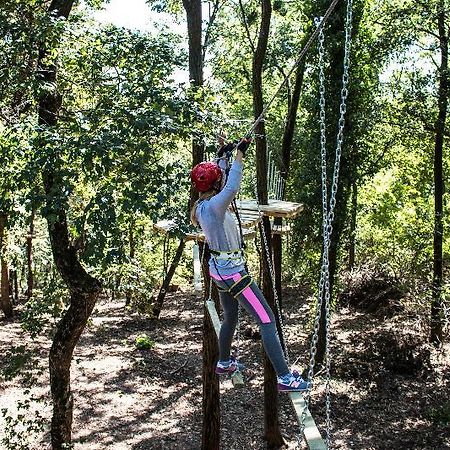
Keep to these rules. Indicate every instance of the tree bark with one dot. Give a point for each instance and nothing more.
(165, 286)
(272, 432)
(193, 10)
(129, 293)
(211, 393)
(347, 166)
(5, 300)
(352, 231)
(437, 312)
(84, 289)
(30, 276)
(286, 151)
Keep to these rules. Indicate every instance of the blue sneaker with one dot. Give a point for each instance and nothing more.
(230, 366)
(293, 382)
(226, 367)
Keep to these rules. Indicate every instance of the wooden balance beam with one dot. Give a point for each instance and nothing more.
(310, 432)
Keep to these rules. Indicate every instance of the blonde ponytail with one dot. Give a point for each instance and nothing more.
(203, 196)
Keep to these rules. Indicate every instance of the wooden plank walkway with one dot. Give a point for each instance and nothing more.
(310, 433)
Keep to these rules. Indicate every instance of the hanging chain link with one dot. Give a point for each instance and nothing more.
(328, 218)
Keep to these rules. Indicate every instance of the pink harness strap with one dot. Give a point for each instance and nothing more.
(249, 296)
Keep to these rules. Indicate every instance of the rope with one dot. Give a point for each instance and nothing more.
(294, 66)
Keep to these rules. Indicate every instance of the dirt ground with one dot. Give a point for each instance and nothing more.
(390, 390)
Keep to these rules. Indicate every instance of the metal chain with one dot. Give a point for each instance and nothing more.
(323, 152)
(328, 218)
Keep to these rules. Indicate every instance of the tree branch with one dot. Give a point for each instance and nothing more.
(247, 30)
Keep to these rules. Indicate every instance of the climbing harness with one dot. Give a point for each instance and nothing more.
(238, 286)
(231, 255)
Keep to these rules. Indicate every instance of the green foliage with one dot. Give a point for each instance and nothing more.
(46, 306)
(143, 342)
(19, 358)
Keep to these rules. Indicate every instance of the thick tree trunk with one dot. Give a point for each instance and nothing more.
(5, 300)
(338, 226)
(437, 312)
(84, 289)
(347, 166)
(272, 432)
(193, 10)
(211, 393)
(30, 276)
(286, 150)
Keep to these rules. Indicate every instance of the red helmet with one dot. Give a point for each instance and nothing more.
(205, 175)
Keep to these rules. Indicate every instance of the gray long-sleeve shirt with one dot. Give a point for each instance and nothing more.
(219, 225)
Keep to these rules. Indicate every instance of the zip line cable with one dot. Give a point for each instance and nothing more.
(297, 62)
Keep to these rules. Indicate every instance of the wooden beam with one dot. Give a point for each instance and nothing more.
(167, 226)
(311, 433)
(274, 208)
(236, 378)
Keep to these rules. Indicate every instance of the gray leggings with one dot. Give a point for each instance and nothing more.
(253, 301)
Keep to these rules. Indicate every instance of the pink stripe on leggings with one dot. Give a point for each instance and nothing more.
(249, 296)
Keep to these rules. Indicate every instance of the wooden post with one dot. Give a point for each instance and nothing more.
(211, 392)
(277, 248)
(157, 306)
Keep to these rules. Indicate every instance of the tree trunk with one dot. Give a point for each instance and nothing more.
(165, 286)
(211, 392)
(277, 251)
(272, 432)
(437, 311)
(286, 150)
(352, 231)
(84, 289)
(193, 10)
(347, 166)
(30, 277)
(129, 293)
(5, 300)
(211, 398)
(14, 285)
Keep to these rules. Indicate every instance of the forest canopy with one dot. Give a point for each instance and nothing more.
(100, 126)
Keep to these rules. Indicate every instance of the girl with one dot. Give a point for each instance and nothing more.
(227, 265)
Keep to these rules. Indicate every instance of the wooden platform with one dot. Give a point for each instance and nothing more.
(274, 208)
(166, 226)
(250, 217)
